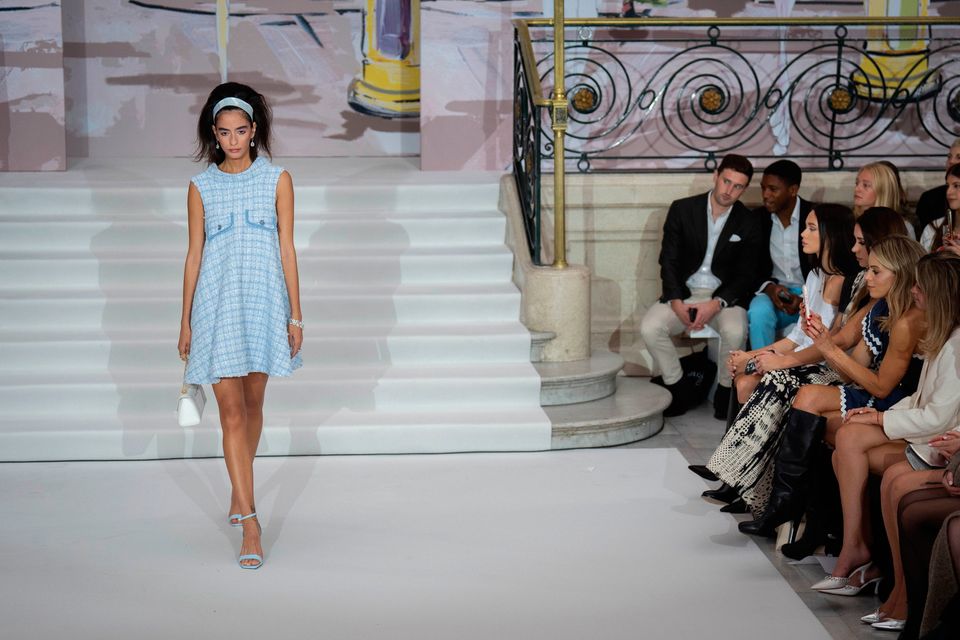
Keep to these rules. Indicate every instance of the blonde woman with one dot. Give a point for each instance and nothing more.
(876, 186)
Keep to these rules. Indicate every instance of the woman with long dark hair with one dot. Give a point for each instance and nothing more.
(746, 448)
(944, 232)
(241, 320)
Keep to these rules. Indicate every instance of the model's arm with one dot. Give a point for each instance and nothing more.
(288, 257)
(903, 341)
(191, 266)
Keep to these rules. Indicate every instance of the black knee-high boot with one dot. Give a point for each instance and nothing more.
(791, 472)
(820, 528)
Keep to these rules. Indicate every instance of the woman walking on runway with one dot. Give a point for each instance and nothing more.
(241, 319)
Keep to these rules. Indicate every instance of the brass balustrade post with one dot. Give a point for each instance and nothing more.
(558, 112)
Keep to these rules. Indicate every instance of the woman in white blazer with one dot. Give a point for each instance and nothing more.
(876, 441)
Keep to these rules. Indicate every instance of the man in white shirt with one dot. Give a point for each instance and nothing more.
(777, 303)
(709, 259)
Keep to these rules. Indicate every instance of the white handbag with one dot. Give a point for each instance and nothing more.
(190, 403)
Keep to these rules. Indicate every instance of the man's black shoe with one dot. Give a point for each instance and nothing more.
(679, 405)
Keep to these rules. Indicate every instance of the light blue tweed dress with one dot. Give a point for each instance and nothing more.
(240, 307)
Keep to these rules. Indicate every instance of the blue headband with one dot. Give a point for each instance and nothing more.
(233, 102)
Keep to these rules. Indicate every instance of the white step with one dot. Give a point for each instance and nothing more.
(133, 435)
(387, 388)
(141, 197)
(338, 346)
(404, 304)
(139, 235)
(412, 343)
(165, 274)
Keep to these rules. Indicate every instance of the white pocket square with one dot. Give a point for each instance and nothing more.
(735, 238)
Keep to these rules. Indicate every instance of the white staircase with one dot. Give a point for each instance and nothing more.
(412, 340)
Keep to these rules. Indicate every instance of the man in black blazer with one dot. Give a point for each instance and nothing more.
(933, 203)
(783, 268)
(709, 260)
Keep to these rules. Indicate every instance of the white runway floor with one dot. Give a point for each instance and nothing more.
(578, 544)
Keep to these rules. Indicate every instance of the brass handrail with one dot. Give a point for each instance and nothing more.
(558, 119)
(739, 22)
(529, 66)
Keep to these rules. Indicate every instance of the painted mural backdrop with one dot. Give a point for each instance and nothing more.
(468, 124)
(118, 78)
(31, 87)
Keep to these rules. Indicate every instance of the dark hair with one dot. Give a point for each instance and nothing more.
(835, 222)
(736, 163)
(787, 170)
(878, 223)
(207, 140)
(944, 227)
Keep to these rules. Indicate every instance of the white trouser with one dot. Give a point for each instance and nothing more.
(660, 323)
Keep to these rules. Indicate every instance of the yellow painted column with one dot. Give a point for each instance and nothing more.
(389, 82)
(895, 54)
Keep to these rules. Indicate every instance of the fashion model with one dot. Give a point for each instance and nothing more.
(241, 319)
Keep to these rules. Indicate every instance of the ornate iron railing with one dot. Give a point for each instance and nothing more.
(528, 115)
(662, 94)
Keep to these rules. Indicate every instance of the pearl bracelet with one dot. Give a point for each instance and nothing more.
(296, 323)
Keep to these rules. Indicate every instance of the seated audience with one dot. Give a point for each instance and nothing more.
(931, 410)
(881, 370)
(873, 439)
(709, 261)
(744, 457)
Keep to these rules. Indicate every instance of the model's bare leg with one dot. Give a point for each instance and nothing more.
(236, 453)
(254, 388)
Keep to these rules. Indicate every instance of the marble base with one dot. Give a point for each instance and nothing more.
(634, 412)
(579, 381)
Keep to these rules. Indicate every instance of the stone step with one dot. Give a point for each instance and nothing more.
(580, 380)
(634, 412)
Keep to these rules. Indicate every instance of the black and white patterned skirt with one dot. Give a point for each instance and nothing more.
(744, 459)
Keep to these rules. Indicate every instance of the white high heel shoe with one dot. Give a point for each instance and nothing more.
(871, 618)
(838, 586)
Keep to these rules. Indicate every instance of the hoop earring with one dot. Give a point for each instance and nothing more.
(252, 144)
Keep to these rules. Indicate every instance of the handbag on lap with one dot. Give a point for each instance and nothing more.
(190, 403)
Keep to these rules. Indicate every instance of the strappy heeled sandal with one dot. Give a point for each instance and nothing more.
(250, 556)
